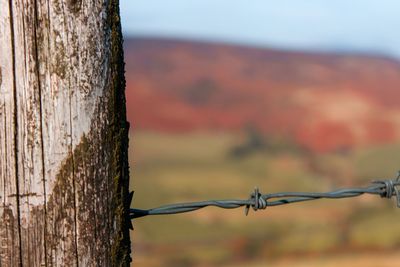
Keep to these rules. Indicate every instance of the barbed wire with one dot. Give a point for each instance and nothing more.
(257, 201)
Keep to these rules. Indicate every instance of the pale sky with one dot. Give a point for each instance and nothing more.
(333, 25)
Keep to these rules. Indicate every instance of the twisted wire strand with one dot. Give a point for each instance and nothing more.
(383, 188)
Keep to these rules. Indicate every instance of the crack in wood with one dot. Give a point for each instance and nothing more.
(15, 124)
(37, 60)
(24, 195)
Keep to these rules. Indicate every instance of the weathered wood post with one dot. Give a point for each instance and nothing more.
(64, 174)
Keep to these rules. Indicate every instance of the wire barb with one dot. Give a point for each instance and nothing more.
(257, 201)
(390, 188)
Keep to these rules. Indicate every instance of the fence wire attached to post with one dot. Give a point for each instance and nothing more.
(383, 188)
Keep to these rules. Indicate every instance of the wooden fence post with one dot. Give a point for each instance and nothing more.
(64, 174)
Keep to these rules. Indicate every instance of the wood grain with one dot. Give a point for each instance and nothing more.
(9, 211)
(63, 148)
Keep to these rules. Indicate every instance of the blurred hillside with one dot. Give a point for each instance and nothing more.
(322, 102)
(212, 121)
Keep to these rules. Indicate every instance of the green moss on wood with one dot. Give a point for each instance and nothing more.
(119, 136)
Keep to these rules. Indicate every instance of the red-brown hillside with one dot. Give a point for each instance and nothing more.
(322, 101)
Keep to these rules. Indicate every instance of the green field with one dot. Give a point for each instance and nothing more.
(168, 168)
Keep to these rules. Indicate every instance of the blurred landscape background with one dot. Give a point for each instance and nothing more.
(212, 119)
